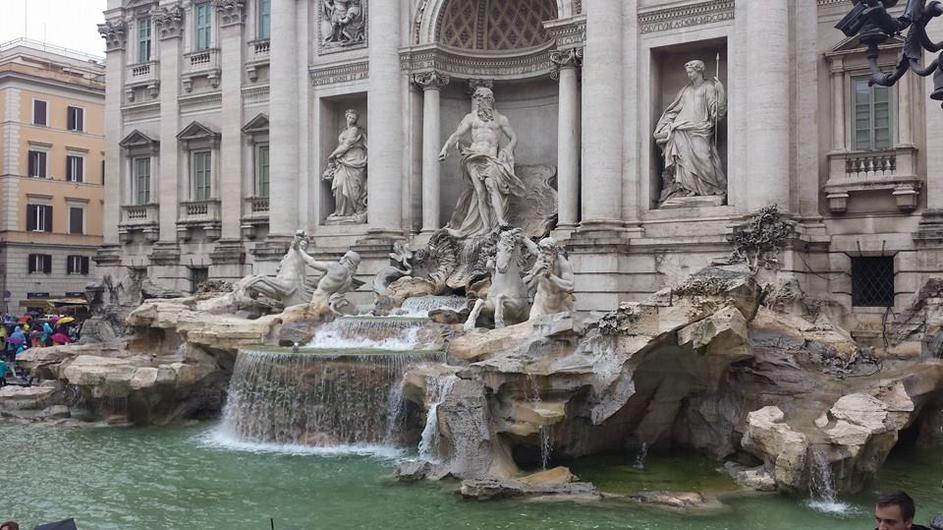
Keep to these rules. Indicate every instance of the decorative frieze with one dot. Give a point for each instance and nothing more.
(342, 25)
(685, 16)
(433, 80)
(231, 12)
(169, 21)
(115, 34)
(536, 63)
(831, 3)
(339, 73)
(568, 58)
(568, 33)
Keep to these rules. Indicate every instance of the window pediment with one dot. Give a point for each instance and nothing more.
(257, 125)
(196, 132)
(138, 140)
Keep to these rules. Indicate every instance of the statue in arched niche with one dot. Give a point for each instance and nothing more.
(347, 171)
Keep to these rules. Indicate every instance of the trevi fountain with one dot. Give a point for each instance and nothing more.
(461, 382)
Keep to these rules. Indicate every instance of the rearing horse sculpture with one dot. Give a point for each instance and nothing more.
(507, 297)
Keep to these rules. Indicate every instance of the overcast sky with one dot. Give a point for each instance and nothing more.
(67, 23)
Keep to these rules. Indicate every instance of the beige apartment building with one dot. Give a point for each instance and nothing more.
(51, 172)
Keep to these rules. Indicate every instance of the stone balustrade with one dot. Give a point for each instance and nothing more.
(199, 211)
(858, 171)
(142, 75)
(203, 63)
(144, 218)
(255, 213)
(257, 55)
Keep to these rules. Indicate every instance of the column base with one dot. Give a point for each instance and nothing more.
(930, 229)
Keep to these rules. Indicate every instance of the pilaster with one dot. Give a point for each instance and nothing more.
(169, 22)
(231, 183)
(114, 32)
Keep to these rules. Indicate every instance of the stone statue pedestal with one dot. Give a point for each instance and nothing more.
(693, 202)
(346, 220)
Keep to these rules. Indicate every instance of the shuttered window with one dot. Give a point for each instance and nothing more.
(74, 168)
(77, 264)
(39, 112)
(204, 17)
(142, 180)
(265, 19)
(200, 166)
(75, 118)
(262, 172)
(36, 160)
(144, 39)
(40, 263)
(872, 116)
(38, 218)
(76, 220)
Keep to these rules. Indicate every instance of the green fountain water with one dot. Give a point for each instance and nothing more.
(184, 478)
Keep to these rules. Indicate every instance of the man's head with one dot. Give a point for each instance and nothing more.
(351, 260)
(484, 102)
(894, 511)
(695, 69)
(9, 525)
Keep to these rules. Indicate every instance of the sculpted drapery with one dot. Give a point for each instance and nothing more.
(347, 171)
(687, 135)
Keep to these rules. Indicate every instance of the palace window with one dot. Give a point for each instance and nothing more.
(871, 115)
(76, 220)
(39, 218)
(36, 160)
(39, 112)
(144, 39)
(265, 19)
(75, 168)
(76, 264)
(75, 116)
(141, 180)
(200, 175)
(40, 263)
(872, 281)
(204, 20)
(262, 171)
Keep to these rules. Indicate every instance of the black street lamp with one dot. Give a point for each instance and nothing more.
(873, 25)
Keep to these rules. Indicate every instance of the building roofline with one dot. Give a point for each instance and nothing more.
(36, 45)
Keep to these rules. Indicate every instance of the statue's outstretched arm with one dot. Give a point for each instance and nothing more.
(463, 128)
(313, 263)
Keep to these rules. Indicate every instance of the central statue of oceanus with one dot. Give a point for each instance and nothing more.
(487, 168)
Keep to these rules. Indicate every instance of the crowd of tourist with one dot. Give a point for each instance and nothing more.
(32, 330)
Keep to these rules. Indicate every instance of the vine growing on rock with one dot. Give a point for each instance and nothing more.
(759, 242)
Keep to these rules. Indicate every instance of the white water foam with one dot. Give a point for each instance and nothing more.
(218, 438)
(420, 306)
(382, 333)
(824, 498)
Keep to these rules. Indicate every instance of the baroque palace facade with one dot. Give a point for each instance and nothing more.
(223, 119)
(52, 107)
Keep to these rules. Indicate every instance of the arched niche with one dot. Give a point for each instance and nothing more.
(429, 13)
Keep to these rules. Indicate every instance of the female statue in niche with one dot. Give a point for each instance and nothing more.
(347, 171)
(687, 134)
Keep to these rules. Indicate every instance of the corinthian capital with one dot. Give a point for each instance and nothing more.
(231, 11)
(568, 58)
(169, 21)
(431, 80)
(115, 34)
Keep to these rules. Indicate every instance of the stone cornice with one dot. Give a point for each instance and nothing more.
(431, 80)
(339, 73)
(231, 12)
(462, 64)
(569, 32)
(115, 34)
(169, 21)
(686, 16)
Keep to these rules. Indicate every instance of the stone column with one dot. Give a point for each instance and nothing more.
(284, 120)
(431, 84)
(768, 103)
(603, 126)
(114, 33)
(385, 110)
(231, 170)
(170, 26)
(567, 62)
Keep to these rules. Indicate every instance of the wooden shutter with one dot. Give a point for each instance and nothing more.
(47, 211)
(31, 217)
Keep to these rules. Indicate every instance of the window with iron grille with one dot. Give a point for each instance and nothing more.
(198, 276)
(872, 281)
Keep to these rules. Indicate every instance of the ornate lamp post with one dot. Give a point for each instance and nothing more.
(873, 25)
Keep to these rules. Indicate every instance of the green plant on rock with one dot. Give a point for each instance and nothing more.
(759, 242)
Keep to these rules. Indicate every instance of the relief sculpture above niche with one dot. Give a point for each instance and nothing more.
(343, 24)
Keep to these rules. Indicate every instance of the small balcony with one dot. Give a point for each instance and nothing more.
(142, 218)
(142, 75)
(255, 213)
(203, 63)
(257, 55)
(199, 214)
(892, 170)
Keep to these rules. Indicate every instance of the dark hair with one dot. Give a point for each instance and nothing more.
(898, 498)
(9, 525)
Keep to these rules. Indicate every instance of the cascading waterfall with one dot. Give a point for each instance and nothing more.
(421, 305)
(384, 333)
(544, 434)
(429, 443)
(822, 492)
(314, 399)
(641, 457)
